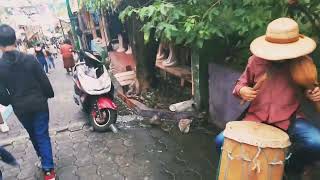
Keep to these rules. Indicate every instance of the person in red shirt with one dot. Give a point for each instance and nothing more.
(276, 102)
(67, 56)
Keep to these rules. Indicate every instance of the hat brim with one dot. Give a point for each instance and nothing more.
(275, 52)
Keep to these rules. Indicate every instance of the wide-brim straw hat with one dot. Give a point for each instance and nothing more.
(282, 41)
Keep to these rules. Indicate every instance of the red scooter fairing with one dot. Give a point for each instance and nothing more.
(106, 103)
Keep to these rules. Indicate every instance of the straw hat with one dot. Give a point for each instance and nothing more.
(282, 41)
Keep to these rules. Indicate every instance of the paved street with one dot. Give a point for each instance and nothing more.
(138, 152)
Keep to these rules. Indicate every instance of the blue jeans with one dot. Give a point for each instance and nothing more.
(51, 62)
(305, 148)
(44, 64)
(37, 126)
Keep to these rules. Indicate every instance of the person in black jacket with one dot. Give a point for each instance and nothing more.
(29, 90)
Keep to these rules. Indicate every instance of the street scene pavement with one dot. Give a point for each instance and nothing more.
(183, 71)
(138, 152)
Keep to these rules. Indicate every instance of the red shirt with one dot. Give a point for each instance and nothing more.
(277, 100)
(65, 50)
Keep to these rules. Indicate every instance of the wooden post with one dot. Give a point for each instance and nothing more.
(73, 25)
(82, 26)
(105, 27)
(92, 27)
(103, 37)
(64, 35)
(200, 83)
(195, 68)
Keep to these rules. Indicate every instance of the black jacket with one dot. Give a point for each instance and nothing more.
(26, 81)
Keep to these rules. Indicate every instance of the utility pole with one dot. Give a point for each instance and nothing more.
(64, 35)
(72, 19)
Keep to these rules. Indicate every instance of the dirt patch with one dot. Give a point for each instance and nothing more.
(166, 92)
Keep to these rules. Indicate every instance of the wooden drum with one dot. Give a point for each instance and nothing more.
(253, 151)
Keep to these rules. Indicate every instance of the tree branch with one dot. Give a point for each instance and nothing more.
(307, 13)
(213, 5)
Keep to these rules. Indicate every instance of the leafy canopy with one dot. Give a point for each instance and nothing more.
(235, 22)
(194, 21)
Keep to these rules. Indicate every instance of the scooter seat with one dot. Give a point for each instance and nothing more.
(95, 86)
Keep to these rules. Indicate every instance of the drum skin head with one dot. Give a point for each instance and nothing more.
(257, 134)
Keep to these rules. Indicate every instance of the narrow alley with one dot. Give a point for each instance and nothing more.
(159, 90)
(137, 152)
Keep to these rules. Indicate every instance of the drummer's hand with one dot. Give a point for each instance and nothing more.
(313, 95)
(247, 93)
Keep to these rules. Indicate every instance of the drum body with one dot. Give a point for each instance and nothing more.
(253, 151)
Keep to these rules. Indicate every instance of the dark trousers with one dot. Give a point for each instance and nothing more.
(37, 126)
(45, 66)
(305, 148)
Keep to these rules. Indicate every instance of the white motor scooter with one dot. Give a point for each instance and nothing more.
(94, 91)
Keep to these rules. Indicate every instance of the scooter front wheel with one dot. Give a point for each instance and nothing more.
(102, 119)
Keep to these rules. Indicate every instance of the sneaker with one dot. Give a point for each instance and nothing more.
(4, 127)
(50, 175)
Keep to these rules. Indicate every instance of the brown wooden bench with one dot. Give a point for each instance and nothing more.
(182, 72)
(125, 78)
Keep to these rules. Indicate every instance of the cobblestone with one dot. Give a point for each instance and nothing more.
(136, 153)
(94, 160)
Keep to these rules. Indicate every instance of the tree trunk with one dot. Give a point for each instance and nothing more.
(144, 54)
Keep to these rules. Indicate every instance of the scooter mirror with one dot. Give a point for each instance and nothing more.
(91, 56)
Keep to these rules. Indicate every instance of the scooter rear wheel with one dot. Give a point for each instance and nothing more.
(102, 119)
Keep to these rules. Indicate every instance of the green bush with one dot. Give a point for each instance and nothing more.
(234, 23)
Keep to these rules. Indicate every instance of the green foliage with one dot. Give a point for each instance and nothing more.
(237, 23)
(307, 12)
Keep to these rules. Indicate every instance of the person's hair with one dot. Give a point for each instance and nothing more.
(38, 45)
(7, 35)
(67, 41)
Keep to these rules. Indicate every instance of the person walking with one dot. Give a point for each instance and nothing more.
(29, 90)
(50, 58)
(53, 50)
(40, 54)
(67, 56)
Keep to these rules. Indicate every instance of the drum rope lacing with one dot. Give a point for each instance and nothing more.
(254, 160)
